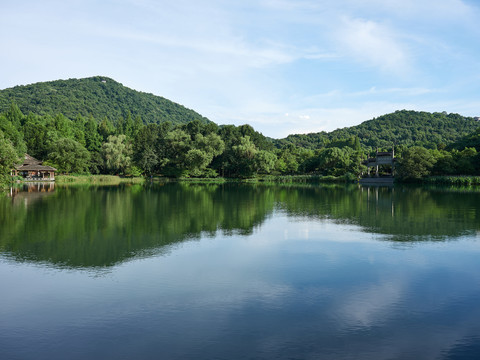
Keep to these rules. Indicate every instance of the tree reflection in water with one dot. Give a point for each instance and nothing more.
(88, 226)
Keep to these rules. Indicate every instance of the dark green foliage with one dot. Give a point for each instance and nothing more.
(12, 132)
(153, 217)
(69, 156)
(115, 139)
(470, 140)
(8, 158)
(453, 180)
(93, 139)
(36, 137)
(117, 154)
(98, 97)
(410, 128)
(416, 163)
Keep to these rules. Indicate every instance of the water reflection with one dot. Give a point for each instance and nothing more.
(30, 192)
(104, 226)
(279, 273)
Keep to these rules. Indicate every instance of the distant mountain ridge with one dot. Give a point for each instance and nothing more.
(402, 127)
(101, 97)
(97, 96)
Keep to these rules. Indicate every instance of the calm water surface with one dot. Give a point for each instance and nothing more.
(239, 272)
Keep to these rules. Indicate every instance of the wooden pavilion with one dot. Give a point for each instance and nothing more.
(33, 170)
(386, 159)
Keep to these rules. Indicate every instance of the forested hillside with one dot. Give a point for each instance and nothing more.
(98, 97)
(409, 128)
(98, 126)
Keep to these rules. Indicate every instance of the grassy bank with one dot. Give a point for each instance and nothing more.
(452, 180)
(97, 179)
(304, 179)
(280, 179)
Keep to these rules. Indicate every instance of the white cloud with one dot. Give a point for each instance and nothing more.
(374, 44)
(367, 305)
(326, 64)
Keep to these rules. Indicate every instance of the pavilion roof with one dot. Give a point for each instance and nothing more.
(32, 164)
(35, 167)
(30, 160)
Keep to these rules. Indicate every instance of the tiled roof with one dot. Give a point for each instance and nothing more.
(35, 167)
(30, 160)
(32, 164)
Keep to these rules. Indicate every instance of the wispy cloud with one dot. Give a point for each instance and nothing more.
(374, 44)
(327, 64)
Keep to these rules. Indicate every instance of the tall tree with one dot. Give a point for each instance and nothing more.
(144, 148)
(67, 155)
(13, 134)
(14, 115)
(245, 152)
(416, 163)
(36, 137)
(106, 128)
(117, 154)
(93, 139)
(8, 158)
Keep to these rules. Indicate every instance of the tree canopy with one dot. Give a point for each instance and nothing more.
(97, 96)
(425, 143)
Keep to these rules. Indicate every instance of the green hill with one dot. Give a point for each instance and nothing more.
(98, 96)
(403, 127)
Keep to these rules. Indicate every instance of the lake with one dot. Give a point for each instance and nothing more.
(237, 271)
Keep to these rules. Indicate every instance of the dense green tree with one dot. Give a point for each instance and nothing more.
(97, 96)
(416, 163)
(147, 161)
(205, 148)
(13, 134)
(200, 148)
(287, 162)
(177, 145)
(64, 127)
(404, 127)
(68, 156)
(212, 144)
(244, 160)
(445, 164)
(36, 137)
(14, 115)
(8, 158)
(335, 161)
(196, 162)
(466, 161)
(79, 130)
(265, 161)
(106, 128)
(144, 148)
(117, 154)
(93, 139)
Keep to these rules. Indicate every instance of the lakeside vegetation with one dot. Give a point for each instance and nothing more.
(98, 179)
(136, 140)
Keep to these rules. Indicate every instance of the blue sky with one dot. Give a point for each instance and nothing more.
(282, 66)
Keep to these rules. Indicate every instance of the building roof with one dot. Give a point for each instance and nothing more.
(35, 167)
(32, 164)
(30, 160)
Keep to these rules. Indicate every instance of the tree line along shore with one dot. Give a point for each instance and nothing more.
(200, 149)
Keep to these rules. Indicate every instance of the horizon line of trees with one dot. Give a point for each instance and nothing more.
(195, 149)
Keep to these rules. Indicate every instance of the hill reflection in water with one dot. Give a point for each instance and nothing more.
(88, 227)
